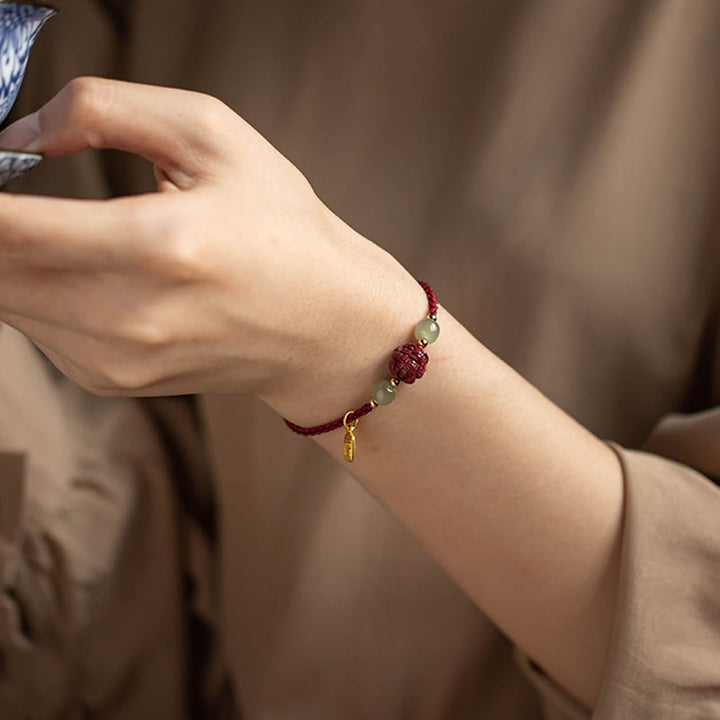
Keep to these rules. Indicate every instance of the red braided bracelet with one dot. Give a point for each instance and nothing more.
(407, 364)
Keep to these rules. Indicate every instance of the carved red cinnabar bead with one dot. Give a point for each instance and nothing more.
(408, 362)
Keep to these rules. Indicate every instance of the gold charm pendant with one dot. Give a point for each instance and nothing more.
(349, 444)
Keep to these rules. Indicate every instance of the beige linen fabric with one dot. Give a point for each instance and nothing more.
(89, 558)
(551, 167)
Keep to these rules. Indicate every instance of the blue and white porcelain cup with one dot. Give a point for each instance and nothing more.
(20, 23)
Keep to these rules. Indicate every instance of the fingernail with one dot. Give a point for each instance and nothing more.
(23, 135)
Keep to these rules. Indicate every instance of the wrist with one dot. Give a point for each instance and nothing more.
(371, 306)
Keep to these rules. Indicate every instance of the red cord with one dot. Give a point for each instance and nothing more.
(334, 425)
(367, 407)
(432, 300)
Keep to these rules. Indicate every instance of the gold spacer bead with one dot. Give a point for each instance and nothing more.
(423, 342)
(373, 404)
(394, 382)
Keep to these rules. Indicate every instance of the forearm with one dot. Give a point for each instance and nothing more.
(235, 278)
(516, 500)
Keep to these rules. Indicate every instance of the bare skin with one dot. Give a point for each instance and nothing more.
(235, 278)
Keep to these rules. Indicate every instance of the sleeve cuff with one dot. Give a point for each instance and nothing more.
(664, 656)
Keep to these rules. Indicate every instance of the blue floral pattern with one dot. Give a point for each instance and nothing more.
(19, 26)
(14, 164)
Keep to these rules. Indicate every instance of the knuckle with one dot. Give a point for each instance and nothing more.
(84, 89)
(213, 114)
(120, 378)
(183, 251)
(87, 100)
(142, 331)
(184, 257)
(173, 246)
(103, 391)
(93, 381)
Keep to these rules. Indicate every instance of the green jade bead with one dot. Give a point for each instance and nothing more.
(427, 329)
(383, 393)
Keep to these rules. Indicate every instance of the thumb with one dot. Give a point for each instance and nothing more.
(184, 133)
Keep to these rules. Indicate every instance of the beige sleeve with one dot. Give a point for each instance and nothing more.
(664, 657)
(92, 619)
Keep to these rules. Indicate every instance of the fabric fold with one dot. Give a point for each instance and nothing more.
(664, 654)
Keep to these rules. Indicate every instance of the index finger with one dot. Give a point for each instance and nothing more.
(186, 133)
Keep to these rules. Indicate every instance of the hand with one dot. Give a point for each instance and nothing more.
(234, 277)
